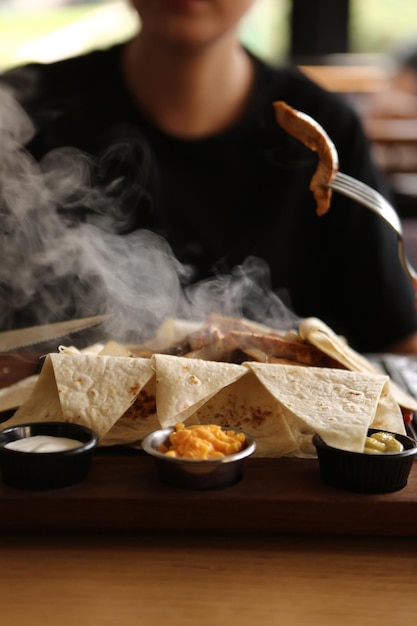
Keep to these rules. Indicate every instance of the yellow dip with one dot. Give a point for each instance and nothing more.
(203, 442)
(382, 443)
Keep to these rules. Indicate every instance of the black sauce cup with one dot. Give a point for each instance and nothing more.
(366, 473)
(46, 470)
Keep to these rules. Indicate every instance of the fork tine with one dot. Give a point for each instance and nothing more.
(356, 190)
(367, 194)
(364, 194)
(407, 267)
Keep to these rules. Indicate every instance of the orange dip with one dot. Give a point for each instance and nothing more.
(203, 442)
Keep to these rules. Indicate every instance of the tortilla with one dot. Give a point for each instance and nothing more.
(244, 405)
(183, 385)
(388, 414)
(43, 403)
(339, 405)
(281, 406)
(139, 420)
(85, 388)
(14, 395)
(170, 332)
(323, 337)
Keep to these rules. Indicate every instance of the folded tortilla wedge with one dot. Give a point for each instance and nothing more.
(339, 405)
(325, 339)
(85, 388)
(281, 406)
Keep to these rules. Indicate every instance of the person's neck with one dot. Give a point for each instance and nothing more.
(189, 95)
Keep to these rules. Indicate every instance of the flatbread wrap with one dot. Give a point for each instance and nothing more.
(316, 332)
(183, 385)
(339, 405)
(85, 388)
(124, 397)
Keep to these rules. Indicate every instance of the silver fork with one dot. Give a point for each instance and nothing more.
(357, 190)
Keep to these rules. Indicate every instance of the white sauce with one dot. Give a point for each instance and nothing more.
(44, 443)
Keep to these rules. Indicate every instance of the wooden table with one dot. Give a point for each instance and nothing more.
(316, 577)
(72, 570)
(198, 580)
(392, 131)
(122, 493)
(351, 79)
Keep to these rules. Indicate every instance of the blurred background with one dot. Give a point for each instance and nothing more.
(351, 47)
(276, 29)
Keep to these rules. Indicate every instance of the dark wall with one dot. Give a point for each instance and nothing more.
(318, 28)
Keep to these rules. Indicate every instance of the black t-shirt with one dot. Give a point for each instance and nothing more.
(224, 201)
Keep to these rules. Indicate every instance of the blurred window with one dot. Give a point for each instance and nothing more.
(376, 26)
(47, 30)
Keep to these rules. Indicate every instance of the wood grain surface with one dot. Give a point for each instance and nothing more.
(194, 580)
(122, 492)
(280, 547)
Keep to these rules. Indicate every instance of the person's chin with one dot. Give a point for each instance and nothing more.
(183, 5)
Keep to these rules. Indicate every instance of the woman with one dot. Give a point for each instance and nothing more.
(180, 129)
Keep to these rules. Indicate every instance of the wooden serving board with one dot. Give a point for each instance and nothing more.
(122, 492)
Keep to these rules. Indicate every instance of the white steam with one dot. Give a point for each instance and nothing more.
(54, 266)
